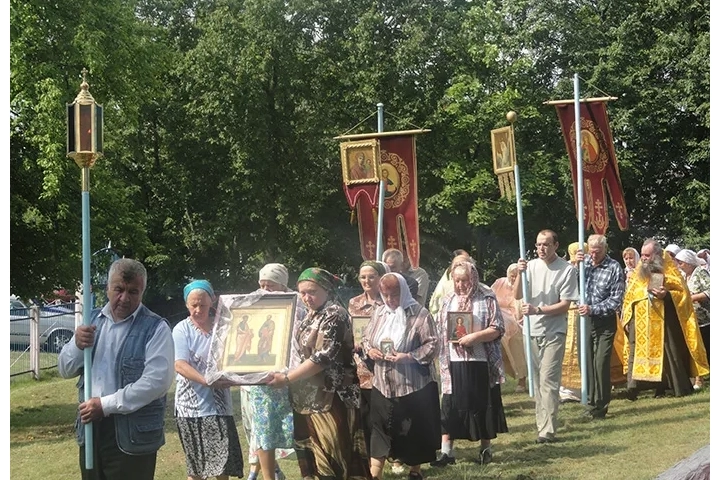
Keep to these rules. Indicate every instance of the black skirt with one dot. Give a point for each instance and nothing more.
(406, 428)
(474, 411)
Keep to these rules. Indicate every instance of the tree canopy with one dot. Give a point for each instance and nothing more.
(220, 117)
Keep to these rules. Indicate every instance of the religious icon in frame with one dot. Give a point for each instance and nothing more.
(503, 150)
(360, 161)
(258, 339)
(387, 347)
(459, 324)
(359, 324)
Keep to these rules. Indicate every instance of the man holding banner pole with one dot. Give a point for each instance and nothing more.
(605, 289)
(132, 370)
(552, 286)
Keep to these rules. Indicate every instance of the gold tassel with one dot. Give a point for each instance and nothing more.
(352, 217)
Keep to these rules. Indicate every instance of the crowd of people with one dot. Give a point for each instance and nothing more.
(409, 385)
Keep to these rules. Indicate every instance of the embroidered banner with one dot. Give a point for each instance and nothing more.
(401, 229)
(600, 168)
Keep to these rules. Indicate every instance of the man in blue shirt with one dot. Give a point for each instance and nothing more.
(604, 291)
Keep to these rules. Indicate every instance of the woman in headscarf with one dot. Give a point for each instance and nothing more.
(404, 407)
(324, 387)
(471, 369)
(266, 412)
(204, 413)
(513, 349)
(364, 305)
(698, 282)
(631, 257)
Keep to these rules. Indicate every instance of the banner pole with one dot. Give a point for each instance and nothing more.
(581, 242)
(381, 195)
(523, 276)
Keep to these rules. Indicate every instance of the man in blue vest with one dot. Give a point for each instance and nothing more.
(132, 370)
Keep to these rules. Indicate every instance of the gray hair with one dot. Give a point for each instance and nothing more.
(130, 269)
(393, 253)
(598, 240)
(657, 249)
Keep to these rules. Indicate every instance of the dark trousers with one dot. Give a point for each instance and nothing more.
(109, 462)
(602, 336)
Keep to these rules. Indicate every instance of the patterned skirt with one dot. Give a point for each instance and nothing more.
(211, 445)
(331, 445)
(267, 420)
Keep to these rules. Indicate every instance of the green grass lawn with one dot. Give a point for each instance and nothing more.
(638, 440)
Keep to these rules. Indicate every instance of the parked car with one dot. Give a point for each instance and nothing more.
(57, 325)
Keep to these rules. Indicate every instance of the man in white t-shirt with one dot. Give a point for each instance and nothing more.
(552, 285)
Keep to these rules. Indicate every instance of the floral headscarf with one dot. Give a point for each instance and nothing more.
(465, 301)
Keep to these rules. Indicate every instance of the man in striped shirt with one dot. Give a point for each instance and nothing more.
(604, 291)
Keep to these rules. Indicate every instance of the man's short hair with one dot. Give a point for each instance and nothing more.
(393, 253)
(129, 269)
(549, 232)
(597, 240)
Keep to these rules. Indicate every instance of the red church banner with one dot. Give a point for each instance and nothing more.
(600, 168)
(397, 167)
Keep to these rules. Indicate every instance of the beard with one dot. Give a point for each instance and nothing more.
(646, 268)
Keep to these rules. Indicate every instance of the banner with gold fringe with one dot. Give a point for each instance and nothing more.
(401, 229)
(600, 168)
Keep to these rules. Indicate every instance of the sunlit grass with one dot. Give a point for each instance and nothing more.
(638, 440)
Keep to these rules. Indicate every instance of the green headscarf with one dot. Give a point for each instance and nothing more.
(377, 266)
(325, 279)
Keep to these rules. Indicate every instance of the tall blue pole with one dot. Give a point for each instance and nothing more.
(381, 194)
(526, 294)
(581, 241)
(87, 308)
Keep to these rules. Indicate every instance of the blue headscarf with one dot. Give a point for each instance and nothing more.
(198, 284)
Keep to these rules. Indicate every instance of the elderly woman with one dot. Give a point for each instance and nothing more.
(324, 387)
(364, 305)
(266, 412)
(698, 282)
(513, 349)
(471, 369)
(203, 412)
(404, 406)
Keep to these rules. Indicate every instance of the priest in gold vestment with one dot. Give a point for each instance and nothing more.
(664, 348)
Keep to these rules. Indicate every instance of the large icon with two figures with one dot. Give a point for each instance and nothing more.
(259, 336)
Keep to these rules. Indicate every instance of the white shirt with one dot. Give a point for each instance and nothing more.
(157, 375)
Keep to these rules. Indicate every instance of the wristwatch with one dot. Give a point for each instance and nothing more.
(538, 311)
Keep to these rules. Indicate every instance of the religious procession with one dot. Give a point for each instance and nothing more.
(304, 284)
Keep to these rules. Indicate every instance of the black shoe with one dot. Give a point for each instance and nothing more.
(544, 440)
(444, 460)
(631, 394)
(485, 456)
(415, 476)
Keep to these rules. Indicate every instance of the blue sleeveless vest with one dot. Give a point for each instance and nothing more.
(142, 431)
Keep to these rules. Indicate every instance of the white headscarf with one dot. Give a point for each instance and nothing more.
(672, 248)
(395, 320)
(687, 256)
(274, 272)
